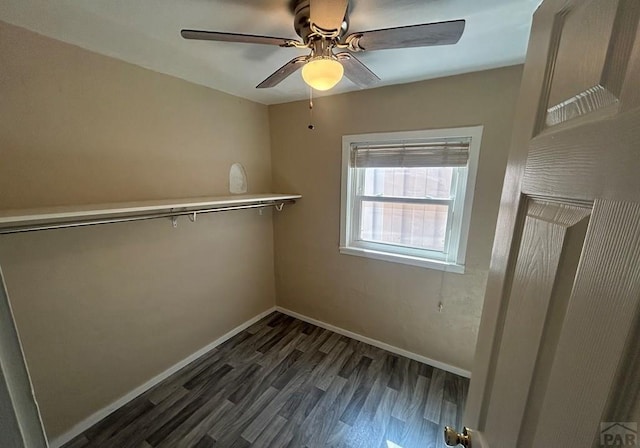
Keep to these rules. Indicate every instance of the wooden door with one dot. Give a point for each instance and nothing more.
(558, 344)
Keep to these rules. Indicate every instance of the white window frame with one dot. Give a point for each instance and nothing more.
(453, 259)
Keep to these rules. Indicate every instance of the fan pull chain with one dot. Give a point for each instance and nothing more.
(311, 126)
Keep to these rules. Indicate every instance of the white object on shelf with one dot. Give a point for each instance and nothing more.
(237, 179)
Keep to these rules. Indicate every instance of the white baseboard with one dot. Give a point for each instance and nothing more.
(375, 343)
(102, 413)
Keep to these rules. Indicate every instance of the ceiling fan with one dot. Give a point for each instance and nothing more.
(322, 25)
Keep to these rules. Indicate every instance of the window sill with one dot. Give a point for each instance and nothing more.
(404, 259)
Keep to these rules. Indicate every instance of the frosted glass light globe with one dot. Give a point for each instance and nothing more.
(322, 73)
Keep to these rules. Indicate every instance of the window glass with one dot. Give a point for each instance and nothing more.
(422, 226)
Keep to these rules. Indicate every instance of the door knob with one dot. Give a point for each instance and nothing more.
(453, 438)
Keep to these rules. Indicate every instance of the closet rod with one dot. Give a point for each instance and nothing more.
(172, 214)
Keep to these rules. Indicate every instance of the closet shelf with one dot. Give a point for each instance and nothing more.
(24, 220)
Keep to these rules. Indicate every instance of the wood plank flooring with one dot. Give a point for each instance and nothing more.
(286, 383)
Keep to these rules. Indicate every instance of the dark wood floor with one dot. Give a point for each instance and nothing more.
(286, 383)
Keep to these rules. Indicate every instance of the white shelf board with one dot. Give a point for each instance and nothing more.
(70, 213)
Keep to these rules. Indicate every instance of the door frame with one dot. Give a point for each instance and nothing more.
(22, 424)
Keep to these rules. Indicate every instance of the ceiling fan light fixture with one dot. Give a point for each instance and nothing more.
(322, 73)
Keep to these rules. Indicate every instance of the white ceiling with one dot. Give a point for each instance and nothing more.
(147, 33)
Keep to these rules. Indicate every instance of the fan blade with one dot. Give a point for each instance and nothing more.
(356, 71)
(283, 72)
(426, 35)
(233, 37)
(328, 14)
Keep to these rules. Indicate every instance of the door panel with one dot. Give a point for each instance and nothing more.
(564, 281)
(584, 163)
(601, 311)
(582, 85)
(563, 294)
(538, 271)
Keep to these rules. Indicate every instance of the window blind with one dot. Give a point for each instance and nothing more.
(411, 154)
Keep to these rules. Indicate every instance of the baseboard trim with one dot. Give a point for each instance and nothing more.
(376, 343)
(94, 418)
(104, 412)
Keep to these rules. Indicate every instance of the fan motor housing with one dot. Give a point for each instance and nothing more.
(302, 20)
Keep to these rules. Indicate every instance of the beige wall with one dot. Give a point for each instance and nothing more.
(102, 310)
(393, 303)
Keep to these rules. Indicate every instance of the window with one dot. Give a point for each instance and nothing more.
(406, 196)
